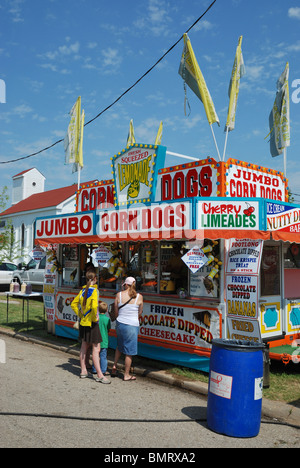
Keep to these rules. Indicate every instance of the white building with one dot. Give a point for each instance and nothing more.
(29, 201)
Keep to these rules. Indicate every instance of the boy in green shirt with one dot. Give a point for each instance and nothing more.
(105, 326)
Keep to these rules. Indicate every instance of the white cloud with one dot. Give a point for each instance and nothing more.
(294, 12)
(92, 45)
(254, 71)
(16, 10)
(111, 58)
(203, 25)
(22, 110)
(68, 50)
(294, 47)
(155, 19)
(62, 52)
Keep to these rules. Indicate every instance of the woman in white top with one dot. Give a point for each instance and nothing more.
(129, 308)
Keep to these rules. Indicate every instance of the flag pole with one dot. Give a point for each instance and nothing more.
(212, 131)
(284, 161)
(225, 145)
(78, 175)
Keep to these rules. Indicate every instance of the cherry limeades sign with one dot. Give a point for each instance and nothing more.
(225, 214)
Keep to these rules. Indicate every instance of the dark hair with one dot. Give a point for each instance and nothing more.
(90, 276)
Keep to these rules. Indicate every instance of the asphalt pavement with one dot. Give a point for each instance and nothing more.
(155, 411)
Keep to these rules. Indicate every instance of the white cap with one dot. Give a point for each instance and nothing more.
(130, 280)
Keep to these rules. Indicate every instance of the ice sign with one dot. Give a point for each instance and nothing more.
(195, 259)
(101, 255)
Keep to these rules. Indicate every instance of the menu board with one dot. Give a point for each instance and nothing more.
(242, 288)
(244, 256)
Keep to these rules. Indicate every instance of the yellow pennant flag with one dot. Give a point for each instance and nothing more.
(72, 136)
(130, 137)
(191, 74)
(79, 156)
(159, 134)
(279, 119)
(238, 71)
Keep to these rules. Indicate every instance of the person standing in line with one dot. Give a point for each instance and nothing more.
(104, 326)
(129, 308)
(85, 305)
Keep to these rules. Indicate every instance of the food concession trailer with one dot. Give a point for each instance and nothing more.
(214, 248)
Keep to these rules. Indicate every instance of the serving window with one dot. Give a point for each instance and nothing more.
(270, 270)
(158, 268)
(291, 255)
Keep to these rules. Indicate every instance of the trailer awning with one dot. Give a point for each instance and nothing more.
(176, 235)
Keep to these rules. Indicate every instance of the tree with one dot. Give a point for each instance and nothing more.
(9, 249)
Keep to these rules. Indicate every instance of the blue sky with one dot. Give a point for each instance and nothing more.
(53, 51)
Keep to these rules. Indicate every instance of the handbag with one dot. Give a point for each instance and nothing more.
(112, 310)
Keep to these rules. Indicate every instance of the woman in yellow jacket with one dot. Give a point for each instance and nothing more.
(85, 305)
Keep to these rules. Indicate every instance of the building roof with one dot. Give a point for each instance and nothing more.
(42, 200)
(26, 170)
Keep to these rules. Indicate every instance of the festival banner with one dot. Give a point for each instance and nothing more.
(238, 72)
(279, 120)
(191, 74)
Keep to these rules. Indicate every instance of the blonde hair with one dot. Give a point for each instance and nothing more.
(90, 276)
(131, 290)
(102, 307)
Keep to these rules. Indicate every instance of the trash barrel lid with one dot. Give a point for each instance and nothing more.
(238, 345)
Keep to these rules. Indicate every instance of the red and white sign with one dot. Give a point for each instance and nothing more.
(249, 181)
(64, 226)
(134, 222)
(188, 181)
(95, 196)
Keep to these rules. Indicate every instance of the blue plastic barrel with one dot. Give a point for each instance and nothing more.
(235, 387)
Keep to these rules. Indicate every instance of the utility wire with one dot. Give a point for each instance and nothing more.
(120, 97)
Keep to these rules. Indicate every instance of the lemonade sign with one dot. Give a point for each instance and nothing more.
(135, 173)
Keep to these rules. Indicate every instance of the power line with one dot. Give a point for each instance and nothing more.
(120, 97)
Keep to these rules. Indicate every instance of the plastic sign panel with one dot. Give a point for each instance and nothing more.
(195, 259)
(95, 195)
(244, 256)
(243, 329)
(135, 173)
(68, 225)
(195, 179)
(283, 218)
(250, 181)
(37, 254)
(242, 296)
(228, 215)
(140, 221)
(101, 255)
(188, 327)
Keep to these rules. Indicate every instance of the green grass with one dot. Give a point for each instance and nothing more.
(284, 379)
